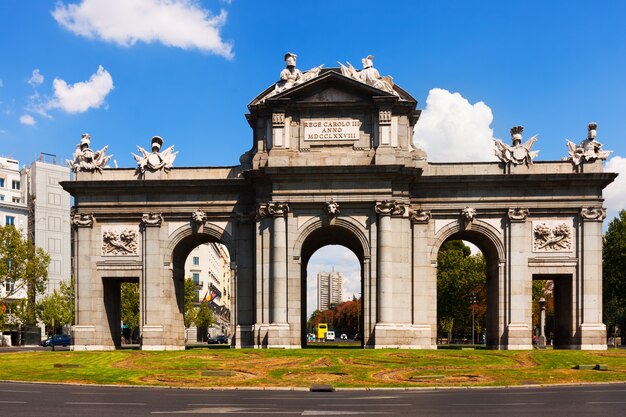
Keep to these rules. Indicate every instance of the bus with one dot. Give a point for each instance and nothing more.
(322, 328)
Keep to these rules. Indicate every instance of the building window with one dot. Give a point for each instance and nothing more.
(1, 197)
(16, 199)
(15, 185)
(196, 260)
(2, 182)
(9, 286)
(9, 221)
(197, 296)
(196, 278)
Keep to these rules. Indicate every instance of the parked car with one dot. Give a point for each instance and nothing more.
(330, 336)
(343, 336)
(219, 339)
(57, 340)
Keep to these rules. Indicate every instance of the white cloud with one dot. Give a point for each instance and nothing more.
(27, 119)
(615, 193)
(36, 78)
(452, 129)
(80, 97)
(179, 23)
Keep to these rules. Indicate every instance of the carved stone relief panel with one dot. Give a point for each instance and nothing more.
(552, 236)
(120, 240)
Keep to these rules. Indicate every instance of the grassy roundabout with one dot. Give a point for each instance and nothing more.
(247, 368)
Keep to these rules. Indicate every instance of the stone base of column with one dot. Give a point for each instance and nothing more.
(154, 338)
(85, 337)
(519, 337)
(244, 336)
(592, 337)
(403, 336)
(279, 337)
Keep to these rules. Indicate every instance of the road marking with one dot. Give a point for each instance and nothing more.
(606, 402)
(340, 413)
(95, 403)
(494, 404)
(13, 402)
(16, 390)
(226, 410)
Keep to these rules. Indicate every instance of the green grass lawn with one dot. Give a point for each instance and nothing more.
(302, 368)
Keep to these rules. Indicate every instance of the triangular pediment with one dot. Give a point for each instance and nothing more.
(329, 87)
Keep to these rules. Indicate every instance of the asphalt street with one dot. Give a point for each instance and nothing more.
(51, 400)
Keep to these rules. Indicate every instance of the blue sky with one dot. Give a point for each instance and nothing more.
(125, 71)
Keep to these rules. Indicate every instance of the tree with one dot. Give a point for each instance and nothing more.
(25, 266)
(53, 310)
(130, 304)
(203, 317)
(459, 276)
(614, 274)
(189, 314)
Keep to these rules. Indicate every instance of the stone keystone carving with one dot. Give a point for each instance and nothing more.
(156, 160)
(420, 216)
(517, 153)
(389, 208)
(332, 208)
(468, 214)
(119, 242)
(553, 238)
(83, 220)
(152, 219)
(87, 160)
(593, 213)
(588, 150)
(369, 75)
(198, 216)
(518, 214)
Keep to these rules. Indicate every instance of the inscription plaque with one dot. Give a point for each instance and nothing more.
(331, 129)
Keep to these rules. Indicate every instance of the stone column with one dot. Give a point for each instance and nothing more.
(519, 300)
(385, 261)
(541, 340)
(278, 335)
(162, 326)
(91, 331)
(592, 330)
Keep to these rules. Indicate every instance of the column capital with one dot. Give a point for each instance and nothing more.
(389, 208)
(83, 220)
(419, 216)
(151, 219)
(593, 214)
(273, 208)
(518, 215)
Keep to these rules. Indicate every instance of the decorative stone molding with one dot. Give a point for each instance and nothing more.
(156, 160)
(551, 236)
(518, 214)
(198, 217)
(152, 219)
(332, 208)
(83, 220)
(419, 216)
(119, 241)
(278, 119)
(517, 153)
(87, 160)
(272, 208)
(384, 117)
(588, 150)
(596, 214)
(389, 208)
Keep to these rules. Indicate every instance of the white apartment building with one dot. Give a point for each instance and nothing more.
(209, 266)
(329, 289)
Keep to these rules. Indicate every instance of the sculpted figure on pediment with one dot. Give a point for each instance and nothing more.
(292, 76)
(86, 159)
(156, 160)
(369, 75)
(518, 153)
(589, 149)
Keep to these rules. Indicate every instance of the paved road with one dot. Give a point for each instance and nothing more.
(51, 400)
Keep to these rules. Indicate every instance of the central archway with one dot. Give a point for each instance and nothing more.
(342, 232)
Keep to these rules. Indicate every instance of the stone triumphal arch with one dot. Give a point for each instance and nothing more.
(332, 162)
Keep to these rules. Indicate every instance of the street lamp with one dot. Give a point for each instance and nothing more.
(473, 303)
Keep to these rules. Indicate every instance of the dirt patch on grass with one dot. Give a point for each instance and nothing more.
(322, 362)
